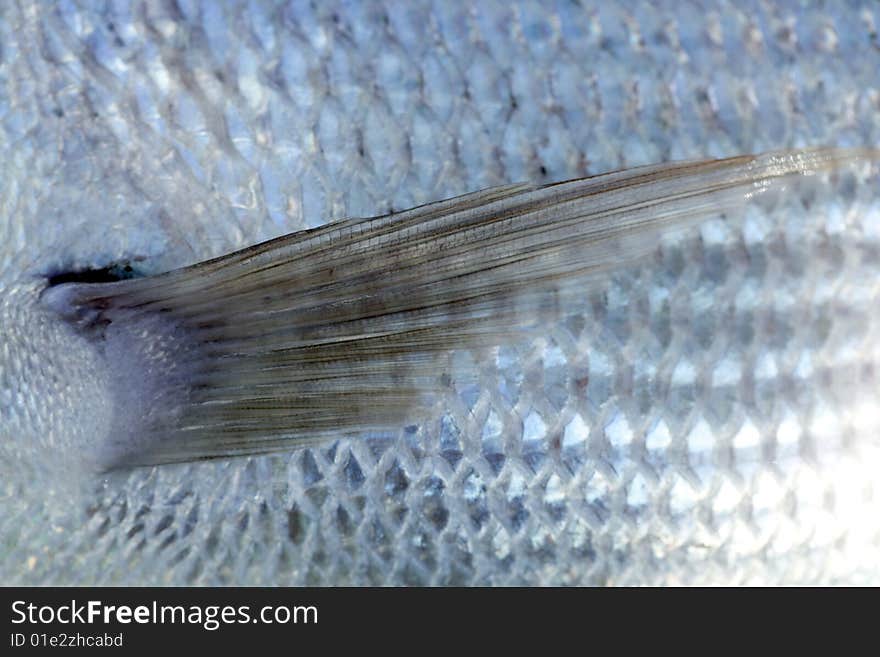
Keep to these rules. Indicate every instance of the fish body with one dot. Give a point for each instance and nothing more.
(707, 414)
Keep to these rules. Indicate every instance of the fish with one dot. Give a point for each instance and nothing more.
(416, 293)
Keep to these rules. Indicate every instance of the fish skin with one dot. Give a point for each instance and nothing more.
(203, 133)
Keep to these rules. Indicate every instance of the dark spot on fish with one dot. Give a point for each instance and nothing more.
(163, 524)
(58, 112)
(543, 170)
(295, 525)
(344, 521)
(139, 527)
(353, 473)
(495, 461)
(243, 520)
(109, 274)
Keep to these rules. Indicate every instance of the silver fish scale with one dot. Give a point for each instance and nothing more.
(708, 417)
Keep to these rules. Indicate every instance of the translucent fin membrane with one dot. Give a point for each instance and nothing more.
(347, 327)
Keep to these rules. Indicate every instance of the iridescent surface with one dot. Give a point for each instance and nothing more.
(710, 417)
